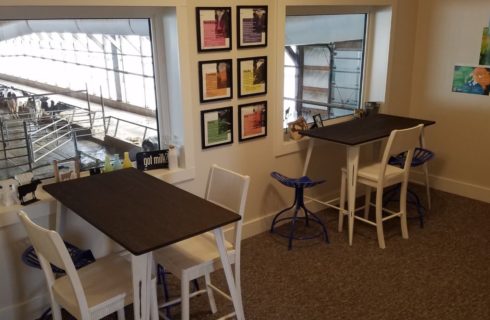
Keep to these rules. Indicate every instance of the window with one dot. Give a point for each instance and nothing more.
(99, 73)
(323, 65)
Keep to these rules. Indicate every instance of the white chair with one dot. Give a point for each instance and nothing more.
(94, 291)
(380, 175)
(198, 256)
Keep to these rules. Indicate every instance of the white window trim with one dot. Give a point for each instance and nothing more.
(181, 103)
(283, 146)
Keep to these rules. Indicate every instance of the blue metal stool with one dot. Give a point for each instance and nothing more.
(80, 258)
(420, 157)
(299, 185)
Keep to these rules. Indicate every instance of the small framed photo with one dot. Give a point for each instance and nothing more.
(213, 28)
(215, 80)
(317, 119)
(252, 76)
(252, 120)
(252, 26)
(216, 127)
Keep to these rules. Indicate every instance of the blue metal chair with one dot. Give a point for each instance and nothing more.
(420, 157)
(299, 185)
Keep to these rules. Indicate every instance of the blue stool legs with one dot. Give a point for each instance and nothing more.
(308, 216)
(412, 198)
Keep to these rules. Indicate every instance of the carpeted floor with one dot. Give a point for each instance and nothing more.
(441, 272)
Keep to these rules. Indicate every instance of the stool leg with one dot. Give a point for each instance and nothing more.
(379, 218)
(418, 204)
(293, 227)
(320, 222)
(427, 187)
(300, 203)
(279, 213)
(367, 201)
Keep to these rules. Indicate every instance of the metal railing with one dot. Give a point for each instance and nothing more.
(29, 138)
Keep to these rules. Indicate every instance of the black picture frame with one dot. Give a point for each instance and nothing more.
(213, 26)
(252, 76)
(216, 127)
(252, 120)
(317, 120)
(215, 80)
(252, 26)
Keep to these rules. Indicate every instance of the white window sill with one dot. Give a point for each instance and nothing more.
(292, 146)
(173, 176)
(8, 215)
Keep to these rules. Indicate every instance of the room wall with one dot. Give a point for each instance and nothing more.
(448, 33)
(428, 38)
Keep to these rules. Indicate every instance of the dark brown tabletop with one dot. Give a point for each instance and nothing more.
(138, 211)
(359, 131)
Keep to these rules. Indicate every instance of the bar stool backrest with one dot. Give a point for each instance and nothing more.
(229, 190)
(404, 140)
(50, 249)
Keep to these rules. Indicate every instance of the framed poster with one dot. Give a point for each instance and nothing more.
(215, 80)
(252, 26)
(252, 120)
(213, 28)
(216, 127)
(252, 76)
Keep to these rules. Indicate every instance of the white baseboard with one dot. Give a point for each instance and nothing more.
(29, 309)
(472, 191)
(262, 224)
(464, 189)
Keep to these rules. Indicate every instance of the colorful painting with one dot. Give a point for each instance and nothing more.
(485, 47)
(474, 80)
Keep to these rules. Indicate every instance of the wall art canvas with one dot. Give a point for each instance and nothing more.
(485, 47)
(471, 79)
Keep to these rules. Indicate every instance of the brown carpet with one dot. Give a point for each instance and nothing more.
(441, 272)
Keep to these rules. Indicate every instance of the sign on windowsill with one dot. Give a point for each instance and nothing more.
(152, 160)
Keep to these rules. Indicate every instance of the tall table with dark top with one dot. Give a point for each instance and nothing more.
(142, 214)
(353, 134)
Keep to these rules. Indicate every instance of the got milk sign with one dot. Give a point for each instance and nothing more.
(152, 160)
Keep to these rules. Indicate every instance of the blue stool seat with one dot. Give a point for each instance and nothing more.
(420, 157)
(299, 184)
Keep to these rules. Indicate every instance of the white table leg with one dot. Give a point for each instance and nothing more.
(352, 163)
(235, 295)
(311, 144)
(141, 272)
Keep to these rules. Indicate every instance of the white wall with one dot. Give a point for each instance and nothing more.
(449, 32)
(428, 38)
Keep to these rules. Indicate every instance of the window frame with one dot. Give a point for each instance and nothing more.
(170, 113)
(282, 144)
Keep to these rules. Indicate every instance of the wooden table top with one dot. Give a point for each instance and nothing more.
(359, 131)
(138, 211)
